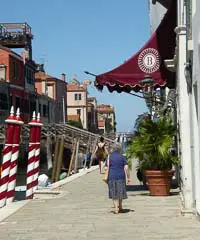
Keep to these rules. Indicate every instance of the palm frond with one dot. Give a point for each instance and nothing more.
(153, 142)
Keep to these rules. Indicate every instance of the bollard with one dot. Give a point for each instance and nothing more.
(37, 152)
(72, 156)
(7, 153)
(76, 157)
(93, 151)
(14, 159)
(60, 159)
(53, 174)
(31, 158)
(49, 151)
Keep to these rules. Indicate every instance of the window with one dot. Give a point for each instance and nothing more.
(15, 70)
(22, 105)
(17, 102)
(77, 96)
(79, 112)
(44, 110)
(32, 106)
(48, 110)
(12, 70)
(29, 75)
(11, 101)
(2, 73)
(39, 107)
(50, 91)
(3, 101)
(26, 106)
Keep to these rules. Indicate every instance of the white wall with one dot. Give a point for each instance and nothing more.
(185, 110)
(196, 40)
(71, 99)
(73, 105)
(196, 82)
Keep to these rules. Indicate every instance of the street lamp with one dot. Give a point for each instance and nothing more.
(148, 91)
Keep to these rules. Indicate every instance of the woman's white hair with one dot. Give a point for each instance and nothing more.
(116, 147)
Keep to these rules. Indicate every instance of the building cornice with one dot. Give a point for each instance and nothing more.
(170, 64)
(78, 90)
(15, 86)
(77, 106)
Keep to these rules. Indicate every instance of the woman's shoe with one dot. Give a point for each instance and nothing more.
(116, 211)
(120, 209)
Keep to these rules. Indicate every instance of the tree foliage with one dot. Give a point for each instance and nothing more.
(77, 124)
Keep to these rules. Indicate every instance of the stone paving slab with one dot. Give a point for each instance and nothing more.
(85, 213)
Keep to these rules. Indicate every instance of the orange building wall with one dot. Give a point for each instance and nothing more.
(4, 60)
(38, 86)
(7, 59)
(19, 80)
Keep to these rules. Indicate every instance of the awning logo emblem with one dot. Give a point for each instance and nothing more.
(149, 60)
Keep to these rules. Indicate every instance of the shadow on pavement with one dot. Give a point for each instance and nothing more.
(136, 188)
(141, 194)
(20, 195)
(174, 193)
(126, 210)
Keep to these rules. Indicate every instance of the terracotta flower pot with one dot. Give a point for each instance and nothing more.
(159, 182)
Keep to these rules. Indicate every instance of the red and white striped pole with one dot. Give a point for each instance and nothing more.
(31, 158)
(14, 159)
(7, 153)
(37, 153)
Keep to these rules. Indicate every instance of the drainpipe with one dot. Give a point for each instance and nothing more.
(64, 116)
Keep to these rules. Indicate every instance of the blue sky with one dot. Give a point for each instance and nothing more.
(72, 36)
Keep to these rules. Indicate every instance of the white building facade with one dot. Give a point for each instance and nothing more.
(193, 47)
(77, 102)
(186, 63)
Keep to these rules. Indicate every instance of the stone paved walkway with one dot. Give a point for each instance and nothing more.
(83, 212)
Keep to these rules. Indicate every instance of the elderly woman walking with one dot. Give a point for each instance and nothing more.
(117, 176)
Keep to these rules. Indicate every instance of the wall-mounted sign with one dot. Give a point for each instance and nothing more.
(149, 60)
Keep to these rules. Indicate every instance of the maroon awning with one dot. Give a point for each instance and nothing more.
(147, 61)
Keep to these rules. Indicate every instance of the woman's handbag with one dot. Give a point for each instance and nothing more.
(105, 177)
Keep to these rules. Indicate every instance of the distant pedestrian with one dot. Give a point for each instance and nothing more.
(87, 159)
(101, 153)
(81, 159)
(117, 176)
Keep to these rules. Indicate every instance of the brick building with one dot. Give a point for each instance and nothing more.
(106, 119)
(17, 88)
(92, 114)
(11, 67)
(55, 89)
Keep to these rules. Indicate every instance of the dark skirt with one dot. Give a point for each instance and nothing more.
(117, 189)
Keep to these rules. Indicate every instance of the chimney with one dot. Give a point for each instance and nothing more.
(40, 68)
(63, 76)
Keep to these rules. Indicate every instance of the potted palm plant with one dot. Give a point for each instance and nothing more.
(152, 147)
